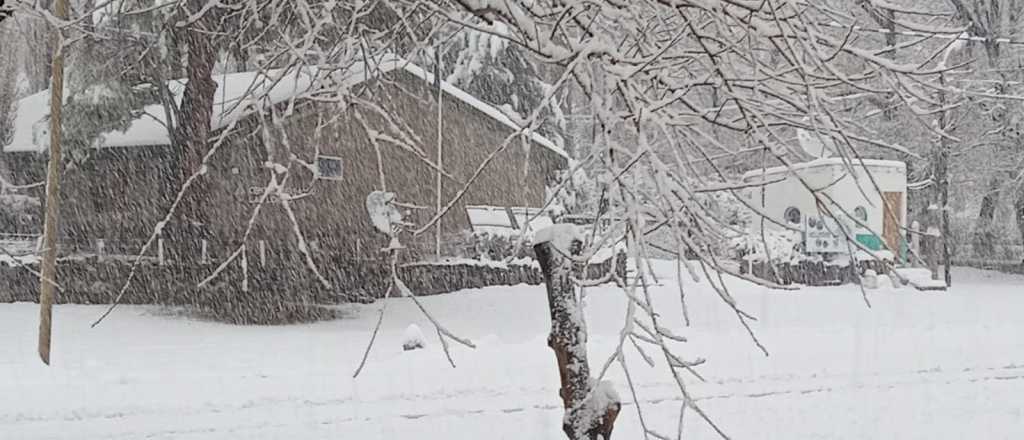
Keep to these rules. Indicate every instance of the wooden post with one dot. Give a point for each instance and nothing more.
(48, 274)
(101, 248)
(204, 256)
(915, 246)
(440, 157)
(568, 338)
(933, 251)
(160, 252)
(245, 270)
(263, 253)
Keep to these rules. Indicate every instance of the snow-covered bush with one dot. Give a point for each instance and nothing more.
(574, 192)
(782, 246)
(413, 338)
(869, 279)
(484, 246)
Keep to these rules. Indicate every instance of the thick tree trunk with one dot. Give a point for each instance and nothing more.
(984, 237)
(583, 419)
(8, 83)
(192, 132)
(942, 182)
(1018, 211)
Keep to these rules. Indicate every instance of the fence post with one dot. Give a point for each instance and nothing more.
(263, 253)
(204, 255)
(101, 248)
(245, 270)
(933, 251)
(915, 244)
(160, 251)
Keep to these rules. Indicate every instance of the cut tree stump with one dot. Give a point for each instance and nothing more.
(586, 416)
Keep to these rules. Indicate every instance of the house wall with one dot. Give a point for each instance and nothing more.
(117, 194)
(121, 193)
(850, 193)
(790, 192)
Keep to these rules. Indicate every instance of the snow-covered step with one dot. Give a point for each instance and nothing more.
(921, 279)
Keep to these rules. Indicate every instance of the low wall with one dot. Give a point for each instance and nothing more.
(271, 295)
(811, 273)
(1005, 266)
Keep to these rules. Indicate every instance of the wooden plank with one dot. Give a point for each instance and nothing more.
(893, 208)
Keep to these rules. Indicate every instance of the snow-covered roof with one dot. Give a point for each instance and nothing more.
(496, 220)
(826, 162)
(237, 95)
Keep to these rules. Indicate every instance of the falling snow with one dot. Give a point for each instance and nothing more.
(290, 219)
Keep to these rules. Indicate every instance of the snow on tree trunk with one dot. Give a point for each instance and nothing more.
(589, 413)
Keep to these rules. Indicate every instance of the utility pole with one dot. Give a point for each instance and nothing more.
(48, 274)
(440, 157)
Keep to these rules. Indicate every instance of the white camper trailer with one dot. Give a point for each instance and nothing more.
(787, 200)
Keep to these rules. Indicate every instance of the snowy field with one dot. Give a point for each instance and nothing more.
(915, 366)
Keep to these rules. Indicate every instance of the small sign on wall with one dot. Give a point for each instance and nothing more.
(329, 168)
(254, 193)
(825, 235)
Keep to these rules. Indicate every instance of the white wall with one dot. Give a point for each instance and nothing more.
(848, 192)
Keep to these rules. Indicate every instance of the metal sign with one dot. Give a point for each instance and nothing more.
(825, 235)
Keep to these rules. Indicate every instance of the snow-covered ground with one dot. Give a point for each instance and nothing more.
(915, 366)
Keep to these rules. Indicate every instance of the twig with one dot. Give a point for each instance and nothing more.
(376, 328)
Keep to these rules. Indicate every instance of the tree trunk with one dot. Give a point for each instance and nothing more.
(38, 55)
(1018, 211)
(196, 113)
(568, 338)
(8, 85)
(886, 19)
(984, 237)
(942, 180)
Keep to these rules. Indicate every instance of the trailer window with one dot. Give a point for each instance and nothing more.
(860, 213)
(792, 215)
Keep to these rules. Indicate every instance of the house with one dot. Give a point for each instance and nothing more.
(870, 200)
(334, 154)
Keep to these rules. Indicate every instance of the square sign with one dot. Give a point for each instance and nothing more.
(825, 235)
(329, 167)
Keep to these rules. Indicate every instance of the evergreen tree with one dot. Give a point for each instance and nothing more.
(502, 75)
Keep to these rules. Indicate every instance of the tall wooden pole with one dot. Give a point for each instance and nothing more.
(440, 157)
(49, 270)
